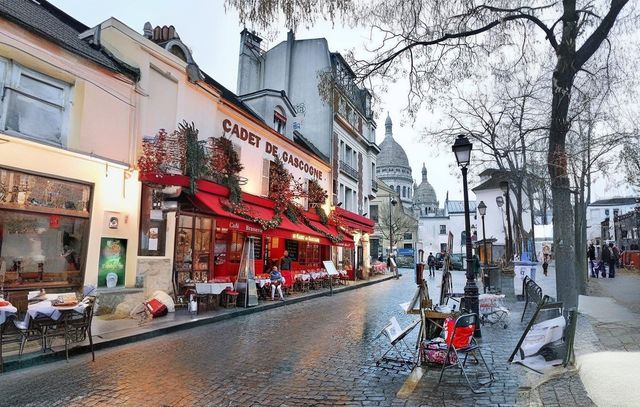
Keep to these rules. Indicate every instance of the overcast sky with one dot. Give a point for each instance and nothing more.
(213, 35)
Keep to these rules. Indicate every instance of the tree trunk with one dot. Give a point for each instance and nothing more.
(563, 220)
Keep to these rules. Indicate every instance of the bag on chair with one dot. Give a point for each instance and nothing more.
(156, 308)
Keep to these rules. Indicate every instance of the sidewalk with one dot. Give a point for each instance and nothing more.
(108, 333)
(608, 340)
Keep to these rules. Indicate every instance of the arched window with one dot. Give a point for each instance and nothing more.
(404, 191)
(398, 189)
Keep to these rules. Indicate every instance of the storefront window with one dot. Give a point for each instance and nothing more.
(193, 248)
(42, 243)
(153, 225)
(309, 253)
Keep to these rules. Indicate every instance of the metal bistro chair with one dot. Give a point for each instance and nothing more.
(8, 334)
(467, 321)
(73, 327)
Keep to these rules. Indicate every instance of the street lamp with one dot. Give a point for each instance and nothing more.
(504, 186)
(462, 149)
(392, 205)
(482, 210)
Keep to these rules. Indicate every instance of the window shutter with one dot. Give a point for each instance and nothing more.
(266, 165)
(305, 200)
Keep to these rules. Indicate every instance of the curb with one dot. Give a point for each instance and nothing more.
(37, 358)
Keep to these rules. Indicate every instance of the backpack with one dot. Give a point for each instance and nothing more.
(616, 254)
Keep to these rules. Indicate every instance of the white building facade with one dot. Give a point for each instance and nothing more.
(328, 114)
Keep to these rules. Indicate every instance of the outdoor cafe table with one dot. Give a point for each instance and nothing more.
(212, 288)
(6, 311)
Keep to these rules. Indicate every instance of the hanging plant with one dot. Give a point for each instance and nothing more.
(324, 219)
(241, 210)
(195, 155)
(280, 185)
(316, 195)
(334, 238)
(225, 166)
(153, 153)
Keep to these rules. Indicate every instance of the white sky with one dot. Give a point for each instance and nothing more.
(213, 35)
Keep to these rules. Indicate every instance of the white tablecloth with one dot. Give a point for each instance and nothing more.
(303, 277)
(261, 282)
(212, 288)
(6, 311)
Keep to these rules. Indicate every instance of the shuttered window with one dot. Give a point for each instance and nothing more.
(266, 165)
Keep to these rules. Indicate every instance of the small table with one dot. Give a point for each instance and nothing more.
(209, 292)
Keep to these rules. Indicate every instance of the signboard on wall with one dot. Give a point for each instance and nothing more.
(112, 263)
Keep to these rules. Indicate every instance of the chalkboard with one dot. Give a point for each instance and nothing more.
(257, 248)
(330, 267)
(292, 247)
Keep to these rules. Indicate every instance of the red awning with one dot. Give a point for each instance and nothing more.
(297, 231)
(356, 222)
(226, 219)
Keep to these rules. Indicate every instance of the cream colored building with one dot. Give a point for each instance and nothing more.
(67, 152)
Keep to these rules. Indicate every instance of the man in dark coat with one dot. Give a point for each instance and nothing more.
(591, 256)
(607, 260)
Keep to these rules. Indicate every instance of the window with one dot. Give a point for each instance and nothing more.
(279, 121)
(266, 169)
(152, 224)
(373, 212)
(404, 191)
(34, 105)
(44, 230)
(443, 229)
(408, 236)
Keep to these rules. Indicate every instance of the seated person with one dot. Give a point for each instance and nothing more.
(276, 282)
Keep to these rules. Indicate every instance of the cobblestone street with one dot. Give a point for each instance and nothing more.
(318, 352)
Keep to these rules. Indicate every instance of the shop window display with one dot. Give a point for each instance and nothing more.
(193, 249)
(152, 224)
(43, 231)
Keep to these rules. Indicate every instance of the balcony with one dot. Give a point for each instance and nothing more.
(348, 170)
(374, 185)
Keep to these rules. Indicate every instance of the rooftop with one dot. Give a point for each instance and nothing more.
(51, 23)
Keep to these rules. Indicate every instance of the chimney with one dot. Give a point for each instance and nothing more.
(148, 30)
(249, 62)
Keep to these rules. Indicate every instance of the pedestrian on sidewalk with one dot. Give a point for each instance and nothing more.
(591, 256)
(545, 265)
(607, 259)
(613, 259)
(431, 261)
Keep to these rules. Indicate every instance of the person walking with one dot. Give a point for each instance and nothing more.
(591, 257)
(606, 259)
(431, 261)
(613, 259)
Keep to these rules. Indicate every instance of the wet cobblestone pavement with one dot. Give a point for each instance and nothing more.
(317, 352)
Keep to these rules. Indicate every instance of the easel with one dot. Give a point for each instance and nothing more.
(396, 336)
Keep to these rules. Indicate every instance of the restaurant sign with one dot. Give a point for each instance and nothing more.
(244, 227)
(306, 238)
(242, 134)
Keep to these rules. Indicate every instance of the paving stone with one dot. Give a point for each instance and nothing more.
(317, 352)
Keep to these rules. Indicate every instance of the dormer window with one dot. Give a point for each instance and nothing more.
(279, 121)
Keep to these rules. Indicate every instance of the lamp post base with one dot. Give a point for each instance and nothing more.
(471, 302)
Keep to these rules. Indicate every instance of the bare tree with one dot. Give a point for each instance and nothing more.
(436, 43)
(397, 220)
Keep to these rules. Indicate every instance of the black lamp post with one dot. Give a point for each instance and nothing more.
(392, 205)
(462, 149)
(482, 210)
(504, 185)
